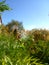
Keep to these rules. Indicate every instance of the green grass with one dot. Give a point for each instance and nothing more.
(18, 52)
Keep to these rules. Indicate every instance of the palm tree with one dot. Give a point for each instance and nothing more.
(0, 20)
(3, 7)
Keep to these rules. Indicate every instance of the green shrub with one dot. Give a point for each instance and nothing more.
(17, 52)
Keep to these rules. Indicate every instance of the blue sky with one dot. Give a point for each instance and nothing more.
(33, 13)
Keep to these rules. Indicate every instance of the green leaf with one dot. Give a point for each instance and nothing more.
(4, 7)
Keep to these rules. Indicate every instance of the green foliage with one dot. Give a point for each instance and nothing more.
(39, 49)
(3, 6)
(15, 28)
(23, 51)
(32, 50)
(15, 25)
(15, 52)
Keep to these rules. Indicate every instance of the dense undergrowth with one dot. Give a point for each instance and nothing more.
(23, 51)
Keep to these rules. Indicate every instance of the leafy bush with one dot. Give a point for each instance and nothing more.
(18, 52)
(12, 52)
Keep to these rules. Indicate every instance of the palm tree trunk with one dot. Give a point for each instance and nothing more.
(0, 20)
